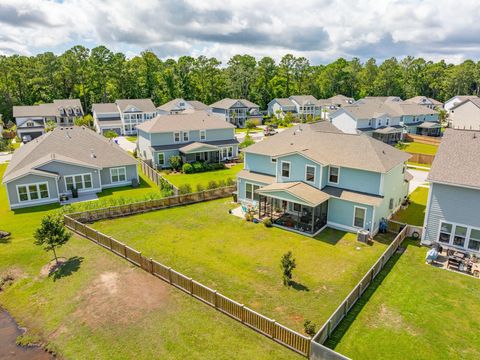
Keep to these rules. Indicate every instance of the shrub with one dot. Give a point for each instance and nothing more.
(250, 125)
(246, 142)
(310, 328)
(185, 189)
(249, 217)
(267, 222)
(200, 188)
(215, 166)
(110, 134)
(230, 181)
(221, 183)
(198, 166)
(187, 168)
(287, 264)
(241, 156)
(212, 185)
(175, 162)
(5, 145)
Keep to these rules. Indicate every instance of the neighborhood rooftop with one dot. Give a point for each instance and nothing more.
(374, 107)
(75, 145)
(457, 160)
(145, 105)
(198, 120)
(49, 109)
(227, 103)
(172, 105)
(323, 143)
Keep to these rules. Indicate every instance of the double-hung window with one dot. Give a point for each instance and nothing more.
(32, 192)
(81, 181)
(359, 216)
(203, 135)
(118, 174)
(474, 242)
(250, 193)
(333, 174)
(460, 236)
(445, 233)
(176, 136)
(185, 136)
(230, 152)
(310, 173)
(161, 159)
(285, 169)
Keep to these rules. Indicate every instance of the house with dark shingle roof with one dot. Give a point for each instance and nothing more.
(31, 120)
(311, 176)
(122, 116)
(237, 111)
(194, 136)
(452, 216)
(53, 164)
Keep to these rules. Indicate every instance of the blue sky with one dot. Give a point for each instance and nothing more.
(321, 30)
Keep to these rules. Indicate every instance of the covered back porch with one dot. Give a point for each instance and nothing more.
(389, 134)
(294, 206)
(201, 152)
(429, 129)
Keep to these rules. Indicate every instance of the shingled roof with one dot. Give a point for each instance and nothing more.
(323, 143)
(145, 105)
(227, 103)
(70, 144)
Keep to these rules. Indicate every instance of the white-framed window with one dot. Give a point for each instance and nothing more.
(203, 135)
(161, 159)
(118, 174)
(273, 160)
(285, 169)
(30, 124)
(185, 136)
(445, 232)
(333, 174)
(310, 173)
(250, 193)
(176, 136)
(458, 235)
(230, 152)
(78, 181)
(31, 192)
(225, 152)
(359, 216)
(296, 207)
(474, 241)
(126, 117)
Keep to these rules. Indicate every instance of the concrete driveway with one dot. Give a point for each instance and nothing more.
(4, 157)
(419, 179)
(125, 144)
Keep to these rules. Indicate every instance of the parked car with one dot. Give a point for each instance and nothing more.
(269, 131)
(26, 138)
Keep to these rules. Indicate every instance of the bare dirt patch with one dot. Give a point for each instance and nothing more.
(9, 276)
(121, 298)
(388, 317)
(49, 268)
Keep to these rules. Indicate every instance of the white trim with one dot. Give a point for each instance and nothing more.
(204, 132)
(119, 184)
(116, 168)
(253, 191)
(427, 212)
(452, 235)
(183, 136)
(338, 175)
(364, 218)
(382, 180)
(321, 177)
(373, 220)
(37, 185)
(84, 191)
(32, 172)
(300, 154)
(455, 185)
(289, 169)
(179, 137)
(314, 173)
(83, 181)
(34, 203)
(338, 226)
(158, 159)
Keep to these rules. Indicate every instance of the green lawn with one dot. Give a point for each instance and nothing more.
(244, 130)
(418, 148)
(242, 259)
(415, 212)
(426, 166)
(414, 311)
(203, 178)
(131, 138)
(101, 307)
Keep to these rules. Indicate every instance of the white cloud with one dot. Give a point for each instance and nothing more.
(320, 30)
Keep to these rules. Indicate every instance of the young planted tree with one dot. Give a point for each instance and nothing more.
(52, 234)
(287, 264)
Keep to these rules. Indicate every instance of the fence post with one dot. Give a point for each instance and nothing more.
(215, 301)
(190, 283)
(273, 334)
(242, 313)
(170, 275)
(151, 266)
(124, 251)
(110, 241)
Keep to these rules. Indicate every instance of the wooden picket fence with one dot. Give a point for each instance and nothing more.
(430, 140)
(158, 179)
(151, 205)
(329, 326)
(258, 322)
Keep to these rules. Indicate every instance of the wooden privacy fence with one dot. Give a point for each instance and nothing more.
(158, 179)
(151, 205)
(422, 158)
(329, 326)
(268, 327)
(423, 139)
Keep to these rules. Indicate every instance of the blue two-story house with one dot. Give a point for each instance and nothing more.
(312, 176)
(196, 136)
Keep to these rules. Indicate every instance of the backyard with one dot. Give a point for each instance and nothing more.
(413, 311)
(242, 260)
(415, 212)
(99, 306)
(418, 148)
(203, 178)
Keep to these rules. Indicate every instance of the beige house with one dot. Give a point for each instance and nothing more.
(465, 115)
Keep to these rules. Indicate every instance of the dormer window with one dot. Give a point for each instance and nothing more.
(30, 124)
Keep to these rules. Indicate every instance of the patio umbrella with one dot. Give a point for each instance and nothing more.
(432, 255)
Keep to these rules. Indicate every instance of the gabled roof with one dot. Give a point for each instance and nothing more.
(196, 147)
(198, 105)
(144, 105)
(462, 97)
(173, 105)
(422, 100)
(227, 103)
(105, 108)
(303, 99)
(197, 120)
(254, 176)
(325, 144)
(73, 145)
(457, 161)
(475, 101)
(308, 194)
(340, 99)
(284, 102)
(44, 110)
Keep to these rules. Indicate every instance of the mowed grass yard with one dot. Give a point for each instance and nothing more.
(242, 260)
(414, 214)
(101, 307)
(203, 178)
(418, 311)
(418, 148)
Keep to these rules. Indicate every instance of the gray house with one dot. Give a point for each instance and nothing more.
(197, 136)
(452, 217)
(31, 120)
(179, 105)
(66, 158)
(237, 111)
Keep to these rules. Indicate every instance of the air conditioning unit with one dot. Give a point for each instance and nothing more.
(362, 235)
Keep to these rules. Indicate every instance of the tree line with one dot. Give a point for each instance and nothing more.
(100, 75)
